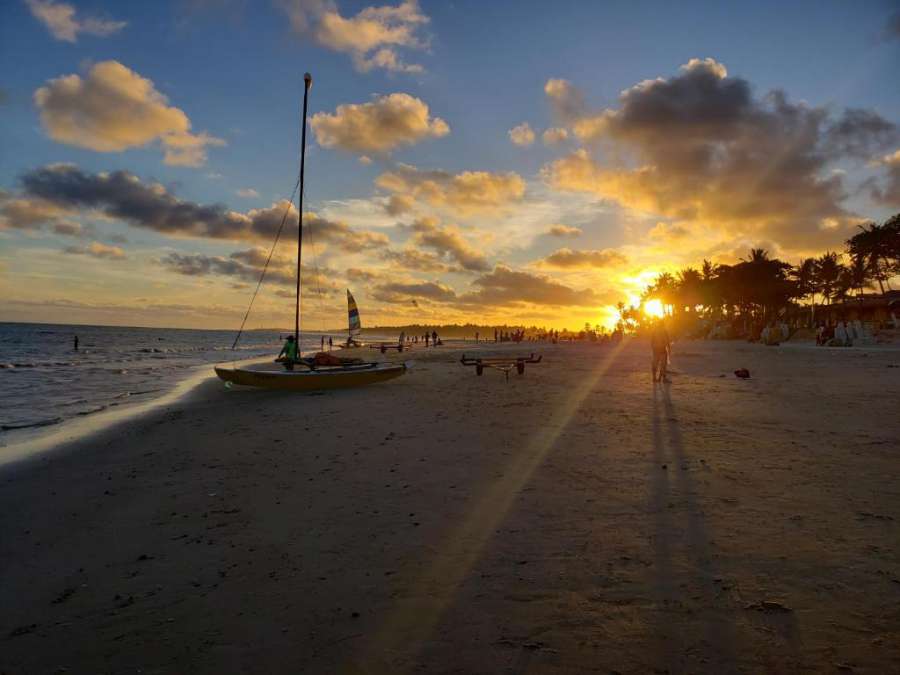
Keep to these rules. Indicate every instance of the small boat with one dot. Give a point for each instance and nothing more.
(354, 325)
(323, 371)
(274, 377)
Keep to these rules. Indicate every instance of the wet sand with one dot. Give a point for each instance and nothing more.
(576, 519)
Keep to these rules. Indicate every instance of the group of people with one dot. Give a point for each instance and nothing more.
(507, 336)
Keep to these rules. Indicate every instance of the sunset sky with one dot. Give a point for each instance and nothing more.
(518, 162)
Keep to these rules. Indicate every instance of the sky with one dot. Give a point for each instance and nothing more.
(495, 162)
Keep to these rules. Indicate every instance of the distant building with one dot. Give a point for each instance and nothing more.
(881, 310)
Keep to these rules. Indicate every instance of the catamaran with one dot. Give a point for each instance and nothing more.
(327, 372)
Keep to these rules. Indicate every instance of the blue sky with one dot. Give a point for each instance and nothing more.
(235, 68)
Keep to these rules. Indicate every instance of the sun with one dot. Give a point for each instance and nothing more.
(654, 308)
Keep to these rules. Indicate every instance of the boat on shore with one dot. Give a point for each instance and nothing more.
(321, 371)
(274, 377)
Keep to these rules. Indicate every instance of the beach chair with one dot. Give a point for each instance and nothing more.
(501, 363)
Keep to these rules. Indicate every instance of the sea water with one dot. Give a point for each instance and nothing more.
(44, 381)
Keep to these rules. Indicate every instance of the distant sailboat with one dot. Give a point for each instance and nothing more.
(354, 326)
(327, 372)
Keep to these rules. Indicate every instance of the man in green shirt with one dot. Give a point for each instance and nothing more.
(289, 353)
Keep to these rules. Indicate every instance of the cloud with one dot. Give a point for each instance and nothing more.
(464, 193)
(404, 292)
(566, 258)
(555, 136)
(63, 189)
(247, 193)
(449, 243)
(24, 214)
(246, 266)
(504, 286)
(68, 228)
(399, 204)
(887, 191)
(97, 250)
(113, 109)
(668, 232)
(60, 20)
(566, 100)
(522, 135)
(706, 151)
(371, 37)
(564, 231)
(378, 127)
(414, 259)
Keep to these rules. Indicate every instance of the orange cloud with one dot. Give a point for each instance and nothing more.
(379, 126)
(114, 109)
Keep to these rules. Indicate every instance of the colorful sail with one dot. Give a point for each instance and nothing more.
(353, 313)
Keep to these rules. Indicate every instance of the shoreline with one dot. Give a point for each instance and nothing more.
(24, 444)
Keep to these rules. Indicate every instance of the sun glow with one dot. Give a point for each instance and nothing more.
(654, 308)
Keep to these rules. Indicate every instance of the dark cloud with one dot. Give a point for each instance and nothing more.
(247, 266)
(859, 133)
(505, 286)
(53, 190)
(710, 152)
(886, 190)
(404, 292)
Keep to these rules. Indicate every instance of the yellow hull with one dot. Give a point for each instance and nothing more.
(310, 380)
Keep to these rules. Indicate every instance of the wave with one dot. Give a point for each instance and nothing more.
(29, 425)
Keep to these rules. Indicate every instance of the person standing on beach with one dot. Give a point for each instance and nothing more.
(75, 343)
(659, 343)
(322, 344)
(330, 344)
(434, 338)
(426, 339)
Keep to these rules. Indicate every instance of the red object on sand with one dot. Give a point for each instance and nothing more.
(742, 373)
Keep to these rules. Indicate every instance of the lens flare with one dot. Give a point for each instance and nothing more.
(654, 308)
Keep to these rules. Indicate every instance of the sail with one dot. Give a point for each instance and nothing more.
(352, 314)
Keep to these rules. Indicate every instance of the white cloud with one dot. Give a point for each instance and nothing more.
(372, 37)
(63, 24)
(247, 193)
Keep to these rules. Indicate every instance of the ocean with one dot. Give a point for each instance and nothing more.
(44, 381)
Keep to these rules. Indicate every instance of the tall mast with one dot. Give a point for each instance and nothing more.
(307, 82)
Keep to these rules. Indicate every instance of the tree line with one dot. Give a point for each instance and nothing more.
(760, 287)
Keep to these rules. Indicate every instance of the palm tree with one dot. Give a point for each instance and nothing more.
(758, 255)
(828, 274)
(805, 275)
(879, 245)
(690, 292)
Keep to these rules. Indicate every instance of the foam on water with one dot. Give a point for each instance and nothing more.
(44, 381)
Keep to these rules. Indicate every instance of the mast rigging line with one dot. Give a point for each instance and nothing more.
(266, 266)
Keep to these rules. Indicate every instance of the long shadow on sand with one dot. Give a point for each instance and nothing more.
(675, 586)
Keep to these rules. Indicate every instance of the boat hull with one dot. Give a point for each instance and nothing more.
(310, 380)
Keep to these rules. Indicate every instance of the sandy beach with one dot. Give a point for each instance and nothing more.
(576, 519)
